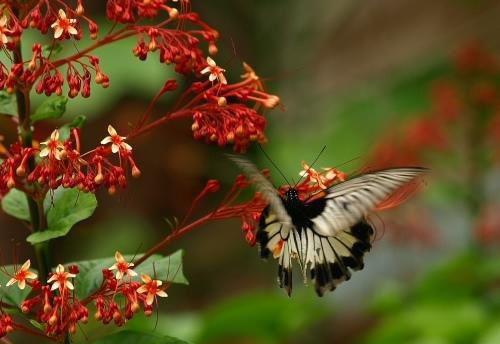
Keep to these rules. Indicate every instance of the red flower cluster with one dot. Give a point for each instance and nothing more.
(57, 307)
(472, 94)
(177, 46)
(109, 310)
(62, 164)
(60, 312)
(174, 46)
(223, 115)
(6, 325)
(129, 11)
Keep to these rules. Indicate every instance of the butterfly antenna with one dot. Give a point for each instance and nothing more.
(315, 160)
(275, 166)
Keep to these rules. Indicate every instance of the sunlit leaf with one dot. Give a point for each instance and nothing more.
(52, 108)
(7, 103)
(135, 337)
(71, 207)
(163, 268)
(15, 204)
(77, 122)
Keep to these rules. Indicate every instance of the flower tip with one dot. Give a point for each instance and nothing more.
(212, 49)
(79, 9)
(136, 173)
(271, 102)
(173, 13)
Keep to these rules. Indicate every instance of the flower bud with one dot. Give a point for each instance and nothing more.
(222, 101)
(79, 9)
(271, 102)
(173, 12)
(21, 171)
(99, 178)
(53, 320)
(212, 48)
(136, 173)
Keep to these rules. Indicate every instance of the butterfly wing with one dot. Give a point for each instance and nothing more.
(347, 203)
(265, 187)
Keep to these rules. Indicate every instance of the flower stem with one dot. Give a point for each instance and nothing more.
(37, 215)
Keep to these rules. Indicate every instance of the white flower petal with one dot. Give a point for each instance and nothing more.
(146, 278)
(211, 62)
(58, 32)
(31, 275)
(149, 299)
(26, 265)
(112, 131)
(62, 14)
(106, 140)
(206, 70)
(115, 148)
(72, 30)
(222, 79)
(44, 152)
(142, 289)
(161, 293)
(126, 146)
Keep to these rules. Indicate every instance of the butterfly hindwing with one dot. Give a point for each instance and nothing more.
(328, 259)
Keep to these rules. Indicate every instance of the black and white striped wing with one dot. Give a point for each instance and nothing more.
(347, 203)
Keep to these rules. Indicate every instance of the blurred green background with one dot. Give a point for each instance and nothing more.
(357, 76)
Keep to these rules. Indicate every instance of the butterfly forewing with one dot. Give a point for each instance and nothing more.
(348, 202)
(264, 186)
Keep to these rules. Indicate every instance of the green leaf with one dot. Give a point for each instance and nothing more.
(7, 103)
(69, 207)
(52, 50)
(15, 204)
(37, 325)
(52, 108)
(135, 337)
(274, 318)
(78, 122)
(12, 295)
(492, 336)
(167, 268)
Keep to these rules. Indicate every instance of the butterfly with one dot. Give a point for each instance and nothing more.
(328, 235)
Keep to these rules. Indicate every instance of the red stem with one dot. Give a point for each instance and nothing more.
(161, 120)
(174, 235)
